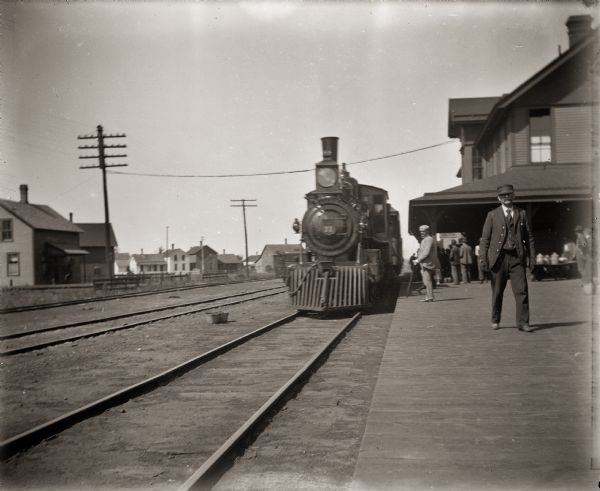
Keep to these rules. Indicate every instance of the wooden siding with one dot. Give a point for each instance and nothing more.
(573, 134)
(22, 242)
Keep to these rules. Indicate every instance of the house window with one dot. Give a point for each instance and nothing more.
(540, 139)
(183, 267)
(176, 267)
(13, 264)
(477, 165)
(7, 230)
(175, 257)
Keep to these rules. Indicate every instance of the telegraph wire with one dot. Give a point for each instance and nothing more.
(278, 172)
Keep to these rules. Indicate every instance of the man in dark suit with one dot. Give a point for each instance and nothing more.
(506, 249)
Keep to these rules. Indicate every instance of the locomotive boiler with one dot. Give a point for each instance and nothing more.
(352, 235)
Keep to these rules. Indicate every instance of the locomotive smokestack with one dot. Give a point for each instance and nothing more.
(330, 147)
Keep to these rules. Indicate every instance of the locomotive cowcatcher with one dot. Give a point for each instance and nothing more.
(353, 239)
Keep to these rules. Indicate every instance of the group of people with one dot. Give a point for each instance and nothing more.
(457, 262)
(505, 252)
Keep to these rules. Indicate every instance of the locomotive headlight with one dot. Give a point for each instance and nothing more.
(326, 177)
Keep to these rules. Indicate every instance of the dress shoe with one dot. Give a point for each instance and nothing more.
(495, 326)
(526, 328)
(427, 300)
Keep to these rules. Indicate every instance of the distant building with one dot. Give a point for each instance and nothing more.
(147, 263)
(176, 261)
(122, 260)
(251, 262)
(275, 258)
(540, 137)
(38, 246)
(229, 263)
(197, 254)
(93, 240)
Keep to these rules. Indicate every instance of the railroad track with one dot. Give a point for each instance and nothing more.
(27, 308)
(180, 310)
(204, 404)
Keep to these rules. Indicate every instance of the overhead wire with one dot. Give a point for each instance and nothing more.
(254, 174)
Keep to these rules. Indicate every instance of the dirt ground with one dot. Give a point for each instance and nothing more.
(311, 444)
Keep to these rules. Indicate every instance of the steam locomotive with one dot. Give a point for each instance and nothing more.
(353, 239)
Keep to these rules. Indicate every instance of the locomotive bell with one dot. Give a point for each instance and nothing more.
(330, 147)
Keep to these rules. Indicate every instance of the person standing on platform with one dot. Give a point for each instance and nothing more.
(455, 262)
(506, 246)
(580, 245)
(466, 259)
(586, 260)
(427, 257)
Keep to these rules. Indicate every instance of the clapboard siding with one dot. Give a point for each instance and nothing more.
(573, 134)
(521, 136)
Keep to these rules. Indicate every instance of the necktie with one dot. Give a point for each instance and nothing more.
(509, 217)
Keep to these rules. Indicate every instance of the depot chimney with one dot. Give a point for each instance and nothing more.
(579, 27)
(24, 189)
(71, 216)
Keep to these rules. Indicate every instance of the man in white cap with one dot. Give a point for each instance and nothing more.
(506, 247)
(428, 259)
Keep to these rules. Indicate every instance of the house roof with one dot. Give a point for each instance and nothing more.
(507, 99)
(122, 258)
(468, 110)
(172, 252)
(148, 258)
(253, 259)
(278, 249)
(229, 259)
(541, 183)
(196, 249)
(39, 217)
(93, 235)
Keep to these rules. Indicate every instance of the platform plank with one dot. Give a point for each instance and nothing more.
(460, 406)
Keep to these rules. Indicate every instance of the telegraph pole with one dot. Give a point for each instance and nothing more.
(202, 256)
(244, 206)
(102, 165)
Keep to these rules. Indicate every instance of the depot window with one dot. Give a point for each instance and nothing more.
(540, 139)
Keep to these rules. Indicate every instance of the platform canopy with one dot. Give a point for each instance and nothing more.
(459, 206)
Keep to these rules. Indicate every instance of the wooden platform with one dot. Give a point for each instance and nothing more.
(461, 406)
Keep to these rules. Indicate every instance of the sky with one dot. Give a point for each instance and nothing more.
(207, 88)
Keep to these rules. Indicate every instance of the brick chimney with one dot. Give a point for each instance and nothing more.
(71, 216)
(23, 188)
(579, 27)
(285, 240)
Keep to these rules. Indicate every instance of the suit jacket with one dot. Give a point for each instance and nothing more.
(427, 254)
(494, 236)
(466, 254)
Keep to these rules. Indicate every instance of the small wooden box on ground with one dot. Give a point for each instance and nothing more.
(217, 317)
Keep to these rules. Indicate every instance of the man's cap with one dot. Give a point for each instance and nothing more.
(423, 228)
(462, 239)
(579, 228)
(505, 189)
(453, 242)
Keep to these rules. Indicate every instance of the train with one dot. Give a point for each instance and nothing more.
(352, 237)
